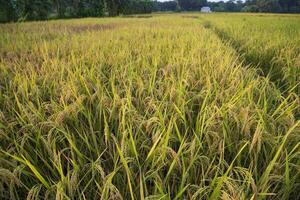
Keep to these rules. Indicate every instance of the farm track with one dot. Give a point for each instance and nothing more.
(276, 77)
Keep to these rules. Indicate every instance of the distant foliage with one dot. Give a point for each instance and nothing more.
(166, 6)
(191, 5)
(276, 6)
(13, 10)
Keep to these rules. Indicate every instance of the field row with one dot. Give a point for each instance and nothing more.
(269, 42)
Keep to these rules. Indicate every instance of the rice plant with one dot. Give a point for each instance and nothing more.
(270, 42)
(140, 108)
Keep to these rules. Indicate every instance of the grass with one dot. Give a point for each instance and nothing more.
(145, 108)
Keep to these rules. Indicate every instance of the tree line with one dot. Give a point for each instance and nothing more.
(276, 6)
(14, 10)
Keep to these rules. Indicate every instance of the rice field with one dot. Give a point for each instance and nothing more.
(162, 106)
(269, 42)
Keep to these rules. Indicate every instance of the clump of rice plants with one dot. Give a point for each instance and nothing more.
(269, 41)
(140, 108)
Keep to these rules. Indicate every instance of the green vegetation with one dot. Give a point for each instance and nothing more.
(271, 6)
(269, 41)
(16, 10)
(179, 106)
(21, 10)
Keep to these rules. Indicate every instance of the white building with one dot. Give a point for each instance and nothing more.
(206, 9)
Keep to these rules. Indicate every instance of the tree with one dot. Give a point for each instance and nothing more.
(12, 10)
(192, 5)
(290, 5)
(230, 6)
(32, 9)
(250, 8)
(116, 7)
(268, 5)
(61, 6)
(100, 7)
(287, 6)
(7, 10)
(113, 7)
(93, 8)
(166, 6)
